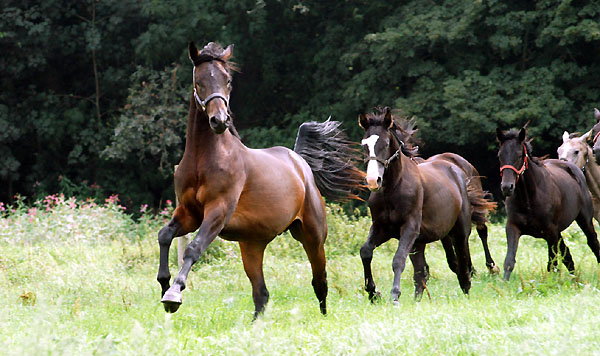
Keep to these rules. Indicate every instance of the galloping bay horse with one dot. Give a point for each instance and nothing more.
(543, 197)
(250, 195)
(414, 203)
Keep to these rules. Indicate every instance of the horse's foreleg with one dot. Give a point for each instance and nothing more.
(366, 255)
(408, 235)
(165, 236)
(552, 251)
(252, 256)
(211, 225)
(512, 239)
(566, 254)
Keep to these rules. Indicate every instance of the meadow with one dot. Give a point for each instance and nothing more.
(79, 278)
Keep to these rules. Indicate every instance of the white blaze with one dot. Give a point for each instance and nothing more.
(372, 166)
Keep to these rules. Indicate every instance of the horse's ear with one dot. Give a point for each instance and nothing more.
(597, 114)
(522, 134)
(363, 121)
(227, 53)
(500, 135)
(388, 122)
(587, 135)
(565, 136)
(193, 52)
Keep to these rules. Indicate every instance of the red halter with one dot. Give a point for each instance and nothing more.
(517, 171)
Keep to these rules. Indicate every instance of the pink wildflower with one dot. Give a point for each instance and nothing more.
(143, 208)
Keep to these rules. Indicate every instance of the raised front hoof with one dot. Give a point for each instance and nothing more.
(171, 301)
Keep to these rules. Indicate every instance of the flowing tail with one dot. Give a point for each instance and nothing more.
(480, 204)
(332, 159)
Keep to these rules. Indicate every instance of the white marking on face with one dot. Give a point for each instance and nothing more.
(374, 168)
(370, 142)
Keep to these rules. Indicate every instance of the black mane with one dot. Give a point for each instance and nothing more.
(405, 129)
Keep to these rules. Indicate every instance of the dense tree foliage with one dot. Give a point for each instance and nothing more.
(94, 94)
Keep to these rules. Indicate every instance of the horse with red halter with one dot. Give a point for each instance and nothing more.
(414, 203)
(543, 197)
(250, 195)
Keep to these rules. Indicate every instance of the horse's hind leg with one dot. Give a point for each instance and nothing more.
(312, 236)
(252, 256)
(587, 226)
(450, 255)
(482, 231)
(460, 239)
(421, 269)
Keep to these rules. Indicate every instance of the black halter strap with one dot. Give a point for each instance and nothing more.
(391, 158)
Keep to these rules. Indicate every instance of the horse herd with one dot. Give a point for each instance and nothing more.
(252, 195)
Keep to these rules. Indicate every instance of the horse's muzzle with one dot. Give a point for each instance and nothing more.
(374, 184)
(219, 124)
(507, 189)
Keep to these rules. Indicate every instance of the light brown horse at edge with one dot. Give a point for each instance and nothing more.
(577, 151)
(251, 195)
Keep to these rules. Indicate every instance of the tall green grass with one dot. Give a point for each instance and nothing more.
(78, 278)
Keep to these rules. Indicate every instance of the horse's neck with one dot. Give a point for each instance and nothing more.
(528, 184)
(200, 138)
(395, 171)
(592, 174)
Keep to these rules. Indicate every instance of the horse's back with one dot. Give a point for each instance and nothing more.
(566, 175)
(573, 194)
(278, 187)
(445, 196)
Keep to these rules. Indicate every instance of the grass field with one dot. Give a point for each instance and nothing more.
(80, 279)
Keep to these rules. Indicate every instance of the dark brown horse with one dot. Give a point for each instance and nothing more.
(416, 204)
(479, 213)
(543, 197)
(250, 195)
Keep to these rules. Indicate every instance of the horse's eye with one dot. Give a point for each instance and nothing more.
(576, 152)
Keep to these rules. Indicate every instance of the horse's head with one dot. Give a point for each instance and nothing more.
(596, 134)
(383, 143)
(575, 149)
(513, 156)
(212, 83)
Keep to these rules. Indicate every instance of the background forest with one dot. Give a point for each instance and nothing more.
(94, 94)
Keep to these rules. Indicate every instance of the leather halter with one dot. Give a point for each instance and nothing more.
(212, 96)
(519, 172)
(390, 159)
(596, 137)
